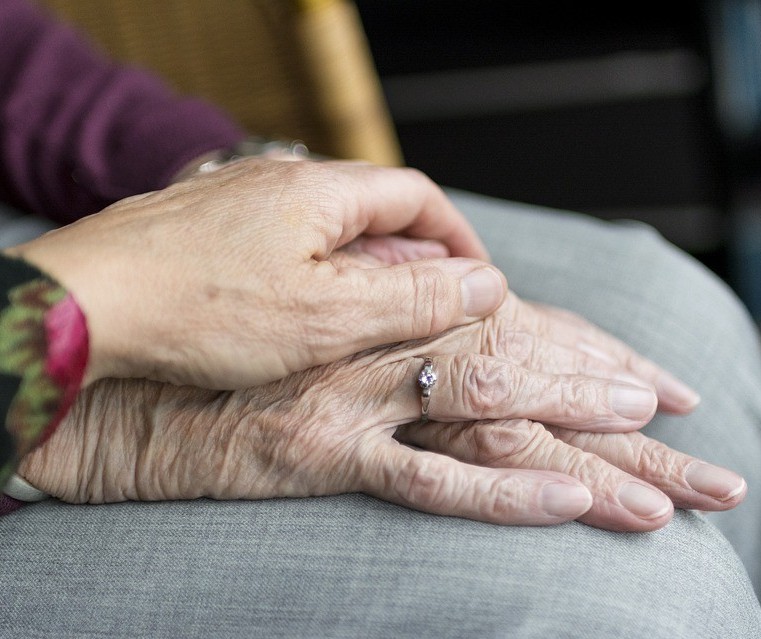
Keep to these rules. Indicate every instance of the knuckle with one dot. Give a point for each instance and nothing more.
(533, 444)
(503, 444)
(493, 443)
(505, 499)
(432, 301)
(584, 466)
(652, 461)
(575, 458)
(420, 481)
(579, 399)
(482, 384)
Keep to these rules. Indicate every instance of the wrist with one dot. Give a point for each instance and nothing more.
(193, 167)
(71, 317)
(43, 357)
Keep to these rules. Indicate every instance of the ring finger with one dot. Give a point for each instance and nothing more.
(470, 387)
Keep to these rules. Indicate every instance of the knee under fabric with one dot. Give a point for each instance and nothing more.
(352, 566)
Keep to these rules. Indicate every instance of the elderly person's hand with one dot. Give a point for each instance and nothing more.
(337, 428)
(222, 281)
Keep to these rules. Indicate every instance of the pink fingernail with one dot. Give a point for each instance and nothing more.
(716, 482)
(565, 500)
(482, 292)
(669, 386)
(643, 501)
(633, 402)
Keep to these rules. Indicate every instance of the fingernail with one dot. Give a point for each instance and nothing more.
(669, 386)
(565, 500)
(643, 501)
(714, 481)
(482, 292)
(632, 402)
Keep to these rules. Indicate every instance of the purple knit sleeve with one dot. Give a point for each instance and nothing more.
(78, 132)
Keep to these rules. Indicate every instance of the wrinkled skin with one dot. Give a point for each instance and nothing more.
(522, 430)
(222, 280)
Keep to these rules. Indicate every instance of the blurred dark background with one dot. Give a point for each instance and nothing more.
(639, 110)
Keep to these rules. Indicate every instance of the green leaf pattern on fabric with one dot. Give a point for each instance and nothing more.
(23, 352)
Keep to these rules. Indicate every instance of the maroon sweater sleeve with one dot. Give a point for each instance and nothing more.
(78, 132)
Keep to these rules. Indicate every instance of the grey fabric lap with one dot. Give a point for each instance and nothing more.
(351, 566)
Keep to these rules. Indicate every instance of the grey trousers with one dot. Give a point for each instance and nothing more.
(351, 566)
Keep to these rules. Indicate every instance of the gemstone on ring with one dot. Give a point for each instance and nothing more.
(427, 378)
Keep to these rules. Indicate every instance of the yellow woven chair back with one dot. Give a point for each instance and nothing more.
(284, 68)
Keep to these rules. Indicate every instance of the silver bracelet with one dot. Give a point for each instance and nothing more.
(256, 147)
(20, 489)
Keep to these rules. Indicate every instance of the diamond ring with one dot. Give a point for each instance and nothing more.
(426, 380)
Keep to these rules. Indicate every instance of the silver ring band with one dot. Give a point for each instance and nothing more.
(426, 380)
(20, 489)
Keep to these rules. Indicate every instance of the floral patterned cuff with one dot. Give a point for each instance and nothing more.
(43, 355)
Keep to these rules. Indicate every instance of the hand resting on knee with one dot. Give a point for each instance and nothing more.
(533, 420)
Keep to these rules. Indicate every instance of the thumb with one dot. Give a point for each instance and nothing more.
(419, 299)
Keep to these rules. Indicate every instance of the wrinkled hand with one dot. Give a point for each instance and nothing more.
(338, 428)
(222, 281)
